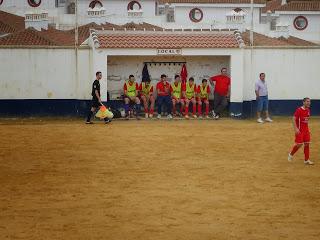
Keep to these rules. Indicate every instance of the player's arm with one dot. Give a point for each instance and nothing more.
(256, 90)
(125, 90)
(98, 97)
(294, 123)
(211, 80)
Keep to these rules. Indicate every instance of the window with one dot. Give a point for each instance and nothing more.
(1, 1)
(196, 15)
(300, 23)
(34, 3)
(95, 3)
(134, 5)
(237, 15)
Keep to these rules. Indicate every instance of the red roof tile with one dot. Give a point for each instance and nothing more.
(27, 37)
(10, 23)
(300, 6)
(293, 5)
(263, 40)
(167, 40)
(213, 1)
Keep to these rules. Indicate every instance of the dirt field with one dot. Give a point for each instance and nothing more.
(226, 179)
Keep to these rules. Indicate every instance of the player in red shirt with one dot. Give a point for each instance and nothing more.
(301, 129)
(146, 95)
(203, 97)
(163, 91)
(189, 90)
(131, 90)
(221, 92)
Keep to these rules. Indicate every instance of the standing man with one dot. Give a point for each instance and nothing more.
(221, 92)
(96, 99)
(203, 97)
(163, 91)
(146, 93)
(261, 91)
(131, 90)
(301, 129)
(189, 90)
(176, 94)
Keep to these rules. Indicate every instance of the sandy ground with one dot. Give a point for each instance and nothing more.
(226, 179)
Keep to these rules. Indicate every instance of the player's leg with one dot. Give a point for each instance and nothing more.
(90, 114)
(145, 105)
(194, 107)
(186, 113)
(306, 149)
(266, 110)
(182, 103)
(298, 144)
(159, 105)
(126, 106)
(174, 102)
(199, 107)
(168, 103)
(259, 109)
(206, 102)
(152, 102)
(137, 106)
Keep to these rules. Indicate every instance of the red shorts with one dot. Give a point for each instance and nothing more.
(302, 137)
(202, 99)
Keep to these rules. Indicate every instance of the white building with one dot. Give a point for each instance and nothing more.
(275, 18)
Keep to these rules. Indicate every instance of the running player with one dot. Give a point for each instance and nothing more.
(301, 129)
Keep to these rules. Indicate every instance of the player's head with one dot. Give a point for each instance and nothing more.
(204, 82)
(191, 80)
(98, 75)
(262, 76)
(131, 78)
(163, 77)
(177, 78)
(147, 82)
(224, 71)
(306, 102)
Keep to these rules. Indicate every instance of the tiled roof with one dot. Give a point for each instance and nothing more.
(10, 23)
(167, 40)
(213, 1)
(297, 41)
(263, 40)
(271, 5)
(300, 6)
(293, 5)
(27, 37)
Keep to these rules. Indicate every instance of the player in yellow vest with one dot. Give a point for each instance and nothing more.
(176, 94)
(203, 97)
(146, 95)
(189, 93)
(131, 90)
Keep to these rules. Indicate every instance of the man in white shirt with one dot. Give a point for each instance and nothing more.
(261, 91)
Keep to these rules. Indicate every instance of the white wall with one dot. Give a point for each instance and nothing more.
(44, 74)
(290, 73)
(311, 33)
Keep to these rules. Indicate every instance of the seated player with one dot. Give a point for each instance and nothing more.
(203, 97)
(146, 95)
(130, 90)
(176, 95)
(189, 90)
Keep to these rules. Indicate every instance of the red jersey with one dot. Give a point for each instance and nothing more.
(222, 84)
(161, 86)
(302, 117)
(125, 86)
